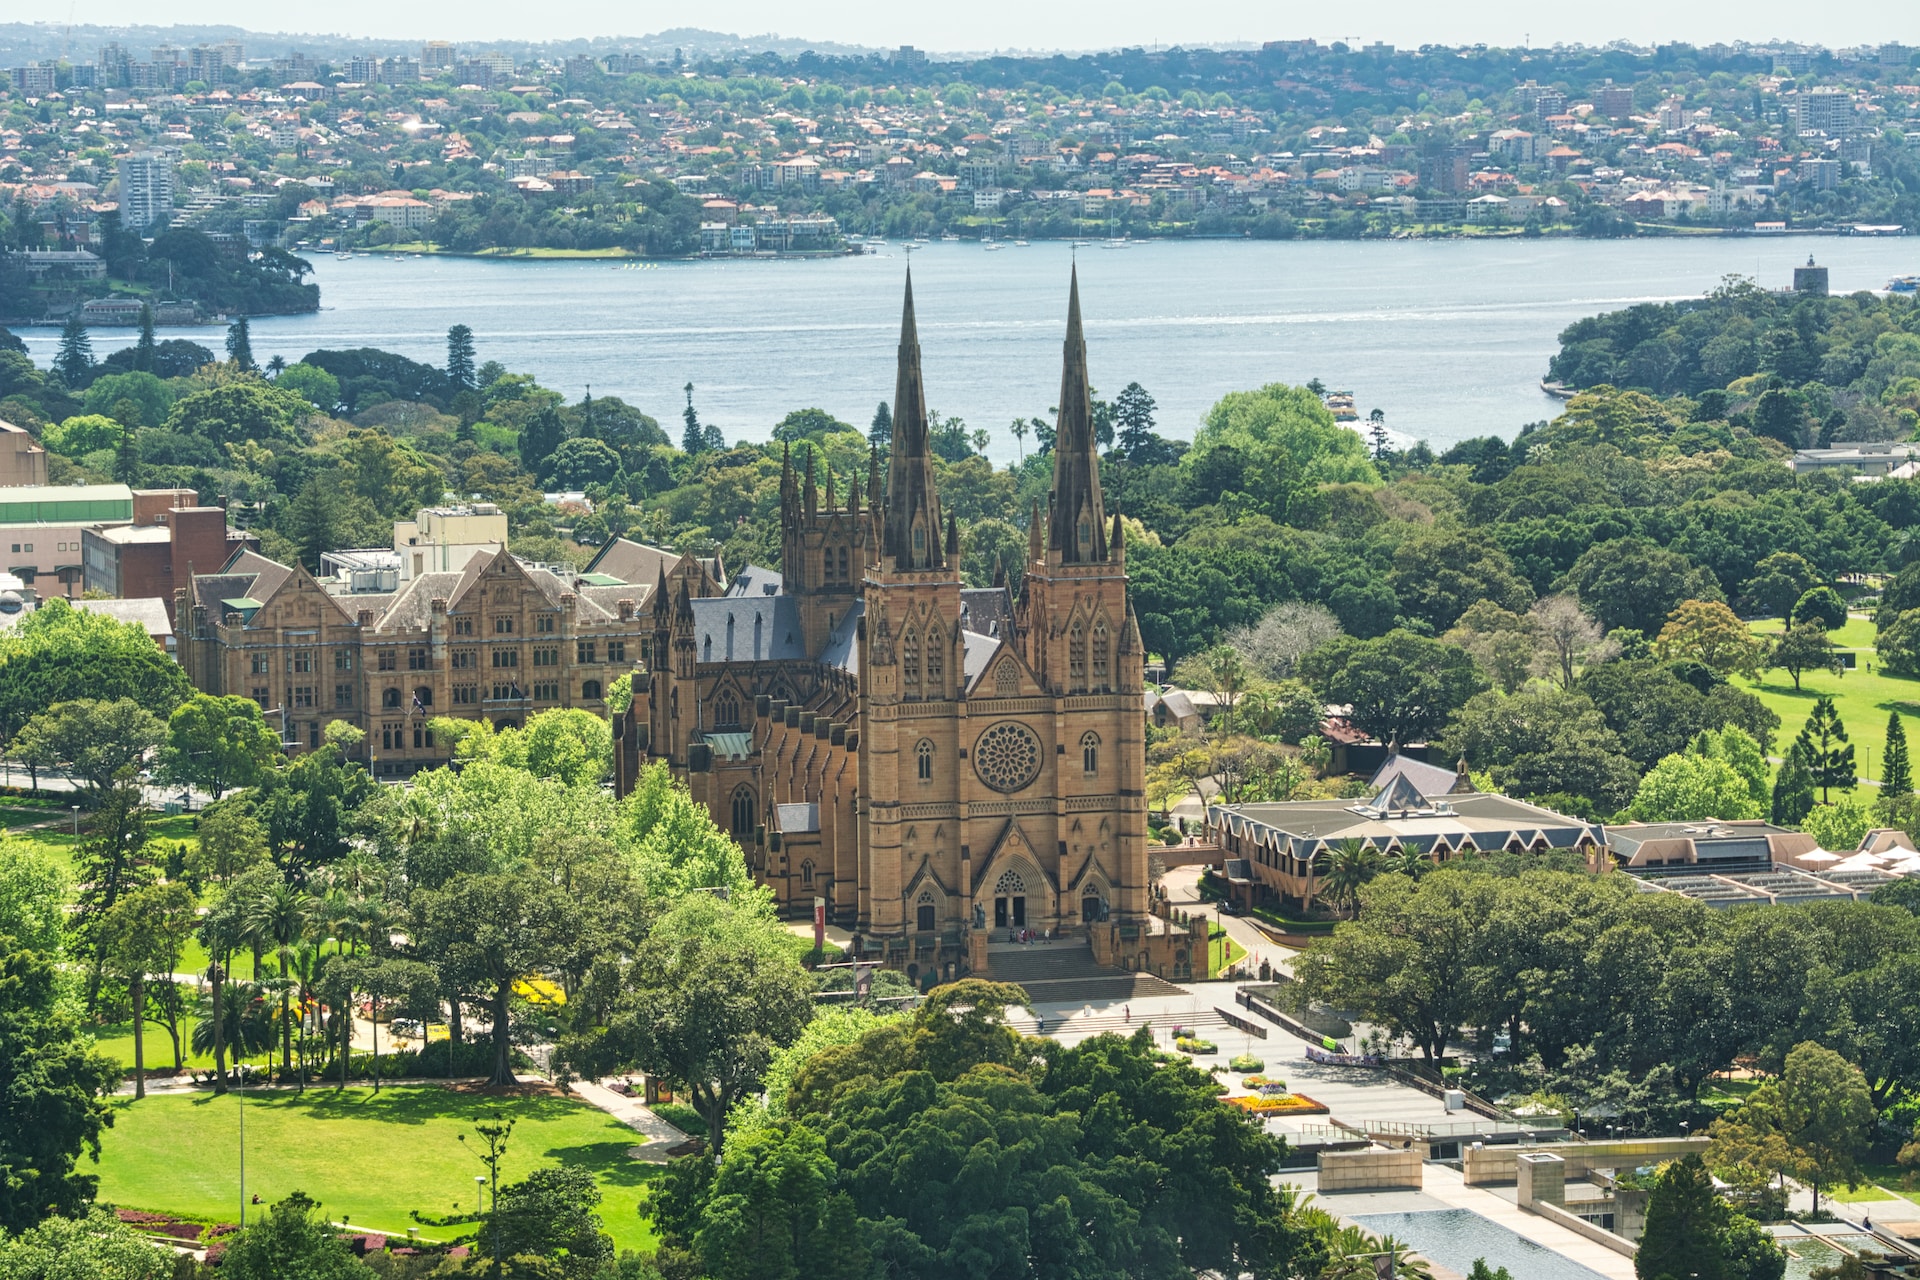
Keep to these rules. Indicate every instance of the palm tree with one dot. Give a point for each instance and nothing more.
(1408, 862)
(247, 1025)
(281, 917)
(1348, 867)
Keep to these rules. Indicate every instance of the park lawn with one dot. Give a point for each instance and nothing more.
(1862, 700)
(372, 1158)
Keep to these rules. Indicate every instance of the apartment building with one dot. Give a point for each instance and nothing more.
(22, 460)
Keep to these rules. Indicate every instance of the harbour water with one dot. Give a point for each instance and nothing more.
(1448, 337)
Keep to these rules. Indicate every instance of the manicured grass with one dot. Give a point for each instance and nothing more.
(116, 1041)
(373, 1158)
(1862, 700)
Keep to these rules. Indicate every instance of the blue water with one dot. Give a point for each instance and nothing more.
(1454, 1238)
(1448, 337)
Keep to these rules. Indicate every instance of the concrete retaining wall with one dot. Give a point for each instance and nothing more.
(1484, 1166)
(1375, 1169)
(1580, 1226)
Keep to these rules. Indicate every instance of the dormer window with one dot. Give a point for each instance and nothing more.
(1086, 534)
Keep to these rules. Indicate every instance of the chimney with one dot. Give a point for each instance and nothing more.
(626, 611)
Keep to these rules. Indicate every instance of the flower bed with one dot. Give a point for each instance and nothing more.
(1247, 1062)
(1283, 1104)
(1191, 1044)
(1265, 1084)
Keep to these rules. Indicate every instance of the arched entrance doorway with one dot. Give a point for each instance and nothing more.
(1010, 901)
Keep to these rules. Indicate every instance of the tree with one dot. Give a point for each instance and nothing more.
(218, 743)
(145, 933)
(60, 654)
(1822, 605)
(240, 345)
(804, 424)
(95, 741)
(1898, 643)
(1219, 671)
(1803, 647)
(460, 367)
(294, 1241)
(1400, 687)
(880, 430)
(1778, 582)
(1133, 418)
(313, 384)
(541, 438)
(550, 1215)
(94, 1246)
(1826, 1115)
(143, 350)
(230, 841)
(1633, 582)
(1829, 756)
(1896, 773)
(715, 990)
(1690, 788)
(1348, 866)
(1412, 960)
(52, 1091)
(74, 360)
(109, 865)
(694, 439)
(1567, 635)
(492, 930)
(1711, 634)
(1793, 789)
(1285, 634)
(1686, 1226)
(1501, 641)
(1840, 825)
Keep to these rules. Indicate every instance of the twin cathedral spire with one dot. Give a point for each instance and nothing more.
(914, 537)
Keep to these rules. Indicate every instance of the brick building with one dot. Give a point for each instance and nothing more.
(171, 537)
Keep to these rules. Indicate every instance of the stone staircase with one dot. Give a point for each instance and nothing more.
(1065, 972)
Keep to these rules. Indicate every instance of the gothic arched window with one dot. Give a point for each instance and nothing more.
(936, 662)
(910, 663)
(1102, 662)
(726, 712)
(590, 690)
(1006, 680)
(923, 761)
(845, 574)
(743, 810)
(1077, 656)
(1090, 752)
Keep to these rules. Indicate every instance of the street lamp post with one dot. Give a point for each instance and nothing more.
(76, 821)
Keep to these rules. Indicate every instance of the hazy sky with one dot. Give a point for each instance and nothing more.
(1077, 24)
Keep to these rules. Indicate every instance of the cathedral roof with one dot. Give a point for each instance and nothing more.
(746, 629)
(980, 651)
(840, 650)
(988, 610)
(756, 580)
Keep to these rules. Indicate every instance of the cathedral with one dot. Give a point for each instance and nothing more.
(937, 766)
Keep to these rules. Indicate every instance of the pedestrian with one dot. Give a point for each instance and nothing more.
(1129, 1011)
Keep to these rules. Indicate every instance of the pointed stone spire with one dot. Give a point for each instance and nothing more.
(1130, 641)
(830, 498)
(1077, 527)
(1035, 549)
(813, 490)
(1117, 540)
(953, 538)
(660, 598)
(853, 493)
(786, 483)
(911, 539)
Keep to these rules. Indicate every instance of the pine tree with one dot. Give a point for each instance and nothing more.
(74, 362)
(1829, 755)
(1896, 778)
(460, 358)
(143, 350)
(240, 345)
(694, 440)
(881, 432)
(1381, 443)
(1792, 789)
(126, 456)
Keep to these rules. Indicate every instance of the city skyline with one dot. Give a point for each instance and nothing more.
(999, 26)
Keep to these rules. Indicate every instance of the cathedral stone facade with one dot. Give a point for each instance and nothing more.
(940, 766)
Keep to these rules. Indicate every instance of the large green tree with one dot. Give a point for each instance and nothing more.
(52, 1090)
(293, 1241)
(1400, 687)
(218, 743)
(1686, 1226)
(714, 990)
(493, 930)
(59, 653)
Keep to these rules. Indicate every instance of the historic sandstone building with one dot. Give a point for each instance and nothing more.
(939, 765)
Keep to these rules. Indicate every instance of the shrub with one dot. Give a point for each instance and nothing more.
(1190, 1044)
(1247, 1062)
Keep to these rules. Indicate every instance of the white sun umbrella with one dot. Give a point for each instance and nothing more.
(1818, 858)
(1859, 862)
(1905, 867)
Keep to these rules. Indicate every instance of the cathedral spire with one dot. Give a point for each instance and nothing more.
(1077, 524)
(1035, 551)
(786, 483)
(912, 533)
(812, 490)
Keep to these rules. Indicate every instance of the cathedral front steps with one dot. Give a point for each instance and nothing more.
(1065, 972)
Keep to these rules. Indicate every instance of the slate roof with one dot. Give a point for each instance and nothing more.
(988, 610)
(979, 652)
(841, 652)
(746, 629)
(1430, 779)
(756, 580)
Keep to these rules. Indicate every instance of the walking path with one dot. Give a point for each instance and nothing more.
(636, 1115)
